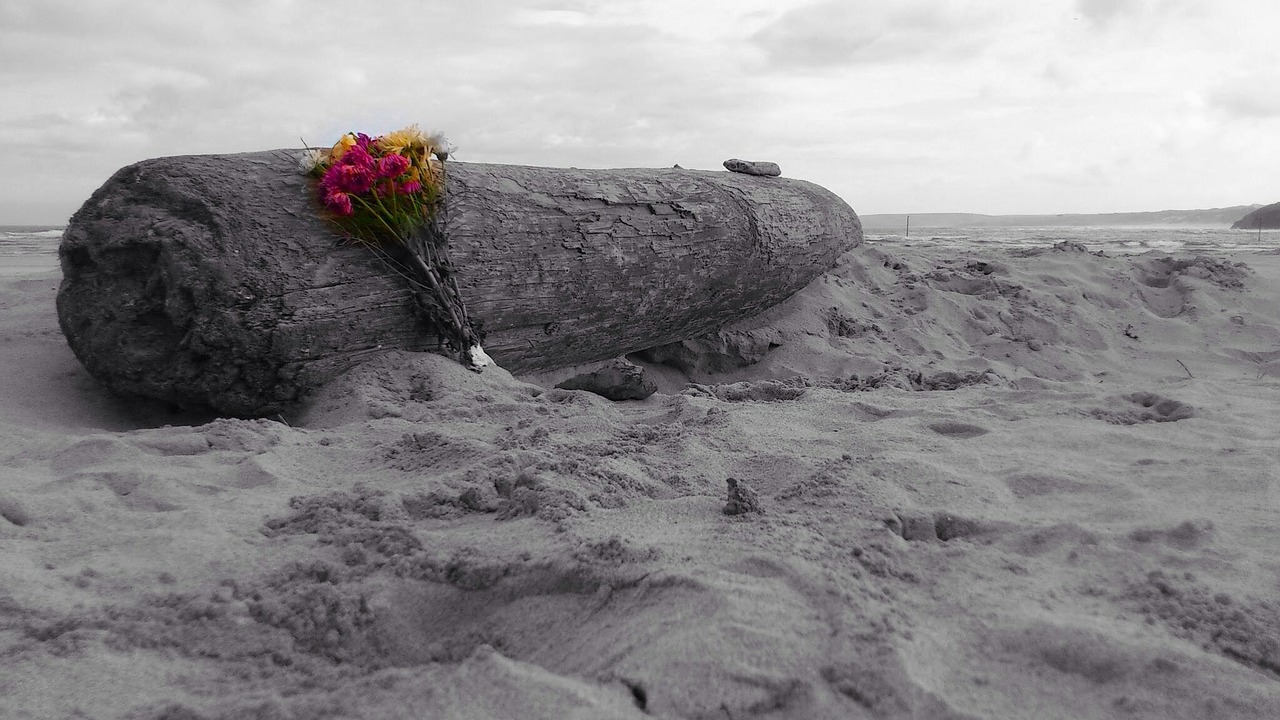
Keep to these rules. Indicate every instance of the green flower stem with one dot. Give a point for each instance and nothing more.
(445, 296)
(374, 212)
(463, 334)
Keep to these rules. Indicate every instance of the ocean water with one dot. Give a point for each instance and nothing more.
(30, 242)
(1109, 239)
(16, 240)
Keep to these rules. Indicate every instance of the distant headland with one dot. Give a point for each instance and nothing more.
(1212, 217)
(1266, 217)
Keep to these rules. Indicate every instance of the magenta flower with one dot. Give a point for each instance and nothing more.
(358, 157)
(411, 187)
(359, 179)
(329, 181)
(392, 166)
(347, 179)
(339, 203)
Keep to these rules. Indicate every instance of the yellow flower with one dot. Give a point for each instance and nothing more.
(340, 148)
(402, 140)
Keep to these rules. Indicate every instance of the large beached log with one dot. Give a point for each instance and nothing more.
(212, 280)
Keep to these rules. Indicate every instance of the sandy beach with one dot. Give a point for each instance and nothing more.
(27, 264)
(982, 484)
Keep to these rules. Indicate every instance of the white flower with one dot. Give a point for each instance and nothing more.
(312, 159)
(477, 359)
(442, 147)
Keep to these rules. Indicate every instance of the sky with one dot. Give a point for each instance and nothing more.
(897, 106)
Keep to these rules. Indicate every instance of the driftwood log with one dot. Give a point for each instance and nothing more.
(212, 280)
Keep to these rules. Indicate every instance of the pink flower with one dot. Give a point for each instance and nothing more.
(339, 203)
(392, 166)
(359, 157)
(358, 179)
(411, 187)
(347, 179)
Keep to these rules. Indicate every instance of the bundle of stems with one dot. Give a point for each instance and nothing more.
(432, 279)
(435, 288)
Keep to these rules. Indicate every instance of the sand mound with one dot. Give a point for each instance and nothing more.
(901, 317)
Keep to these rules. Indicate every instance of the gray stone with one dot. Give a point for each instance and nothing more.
(742, 499)
(619, 380)
(753, 167)
(717, 352)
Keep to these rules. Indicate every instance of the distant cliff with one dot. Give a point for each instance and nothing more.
(1266, 217)
(1213, 217)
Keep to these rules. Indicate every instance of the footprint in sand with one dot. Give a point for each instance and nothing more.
(1186, 535)
(1086, 654)
(91, 452)
(1144, 407)
(14, 512)
(1032, 484)
(1068, 537)
(879, 683)
(1161, 291)
(1165, 292)
(136, 490)
(942, 526)
(958, 430)
(158, 470)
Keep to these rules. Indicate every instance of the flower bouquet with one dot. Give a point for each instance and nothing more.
(387, 193)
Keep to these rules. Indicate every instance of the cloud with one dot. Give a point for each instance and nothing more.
(1104, 13)
(818, 35)
(1252, 98)
(837, 33)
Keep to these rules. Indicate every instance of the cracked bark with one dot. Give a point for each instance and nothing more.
(212, 280)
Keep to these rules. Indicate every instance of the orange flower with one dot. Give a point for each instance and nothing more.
(340, 148)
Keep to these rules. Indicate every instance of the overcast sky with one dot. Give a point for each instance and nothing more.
(993, 106)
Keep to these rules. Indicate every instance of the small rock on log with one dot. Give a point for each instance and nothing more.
(753, 167)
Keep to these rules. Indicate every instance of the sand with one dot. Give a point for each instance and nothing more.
(27, 264)
(976, 485)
